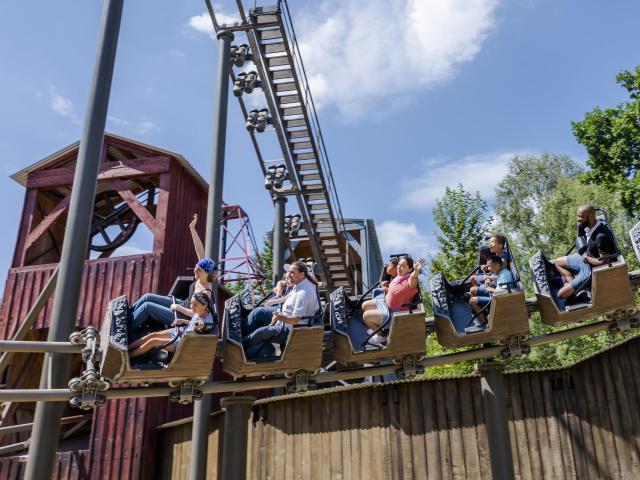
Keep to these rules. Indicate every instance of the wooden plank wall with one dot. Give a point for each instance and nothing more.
(70, 465)
(175, 445)
(582, 422)
(103, 280)
(184, 197)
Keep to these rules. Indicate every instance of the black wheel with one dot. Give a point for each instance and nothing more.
(75, 385)
(505, 353)
(113, 222)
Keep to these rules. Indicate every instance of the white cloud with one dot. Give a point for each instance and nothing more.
(118, 121)
(59, 104)
(480, 172)
(366, 57)
(398, 237)
(202, 23)
(146, 127)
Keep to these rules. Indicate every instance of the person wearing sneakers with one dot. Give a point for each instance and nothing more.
(504, 282)
(402, 290)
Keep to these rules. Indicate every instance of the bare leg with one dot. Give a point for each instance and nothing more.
(562, 266)
(140, 341)
(475, 308)
(149, 344)
(372, 319)
(368, 305)
(566, 291)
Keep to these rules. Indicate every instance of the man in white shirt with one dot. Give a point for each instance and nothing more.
(267, 325)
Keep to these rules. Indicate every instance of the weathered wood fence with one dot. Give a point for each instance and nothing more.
(579, 422)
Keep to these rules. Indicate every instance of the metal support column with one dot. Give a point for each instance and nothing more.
(237, 410)
(223, 247)
(46, 425)
(280, 202)
(495, 415)
(202, 408)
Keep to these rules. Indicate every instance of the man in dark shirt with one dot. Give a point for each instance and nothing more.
(576, 268)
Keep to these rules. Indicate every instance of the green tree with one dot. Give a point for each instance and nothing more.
(519, 198)
(462, 220)
(556, 223)
(612, 139)
(521, 193)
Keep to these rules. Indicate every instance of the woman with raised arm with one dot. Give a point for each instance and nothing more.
(401, 292)
(161, 307)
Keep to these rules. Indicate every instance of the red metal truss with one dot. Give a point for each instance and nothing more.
(238, 262)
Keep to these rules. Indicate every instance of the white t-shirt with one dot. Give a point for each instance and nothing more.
(302, 301)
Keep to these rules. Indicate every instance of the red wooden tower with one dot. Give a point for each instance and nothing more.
(140, 187)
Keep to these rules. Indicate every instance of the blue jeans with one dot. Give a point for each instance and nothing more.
(581, 271)
(151, 306)
(256, 331)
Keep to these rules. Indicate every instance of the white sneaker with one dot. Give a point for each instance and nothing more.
(378, 339)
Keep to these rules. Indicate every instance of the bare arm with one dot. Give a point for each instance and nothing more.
(197, 242)
(413, 278)
(179, 308)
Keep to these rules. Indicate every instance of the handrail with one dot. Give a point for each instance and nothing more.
(297, 57)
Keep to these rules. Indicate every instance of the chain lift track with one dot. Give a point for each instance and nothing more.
(292, 114)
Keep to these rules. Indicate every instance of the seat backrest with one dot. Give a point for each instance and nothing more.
(439, 295)
(233, 318)
(602, 216)
(513, 266)
(339, 309)
(180, 287)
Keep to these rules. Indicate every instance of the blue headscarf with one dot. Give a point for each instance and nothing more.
(207, 265)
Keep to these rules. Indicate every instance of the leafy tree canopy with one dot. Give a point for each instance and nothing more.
(612, 139)
(462, 219)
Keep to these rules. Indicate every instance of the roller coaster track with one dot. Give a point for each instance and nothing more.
(62, 394)
(276, 55)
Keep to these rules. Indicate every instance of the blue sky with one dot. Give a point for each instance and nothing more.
(414, 95)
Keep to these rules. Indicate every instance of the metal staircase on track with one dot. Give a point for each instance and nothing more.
(277, 59)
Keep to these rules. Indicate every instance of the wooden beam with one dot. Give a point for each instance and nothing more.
(28, 212)
(57, 177)
(31, 317)
(47, 221)
(161, 212)
(139, 209)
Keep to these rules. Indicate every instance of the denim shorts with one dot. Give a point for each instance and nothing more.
(581, 271)
(483, 300)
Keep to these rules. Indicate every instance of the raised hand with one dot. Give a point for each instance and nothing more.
(194, 221)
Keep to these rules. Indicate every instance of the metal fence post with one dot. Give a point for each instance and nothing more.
(495, 415)
(234, 436)
(202, 408)
(46, 425)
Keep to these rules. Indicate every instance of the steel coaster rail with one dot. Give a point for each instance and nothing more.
(33, 395)
(315, 122)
